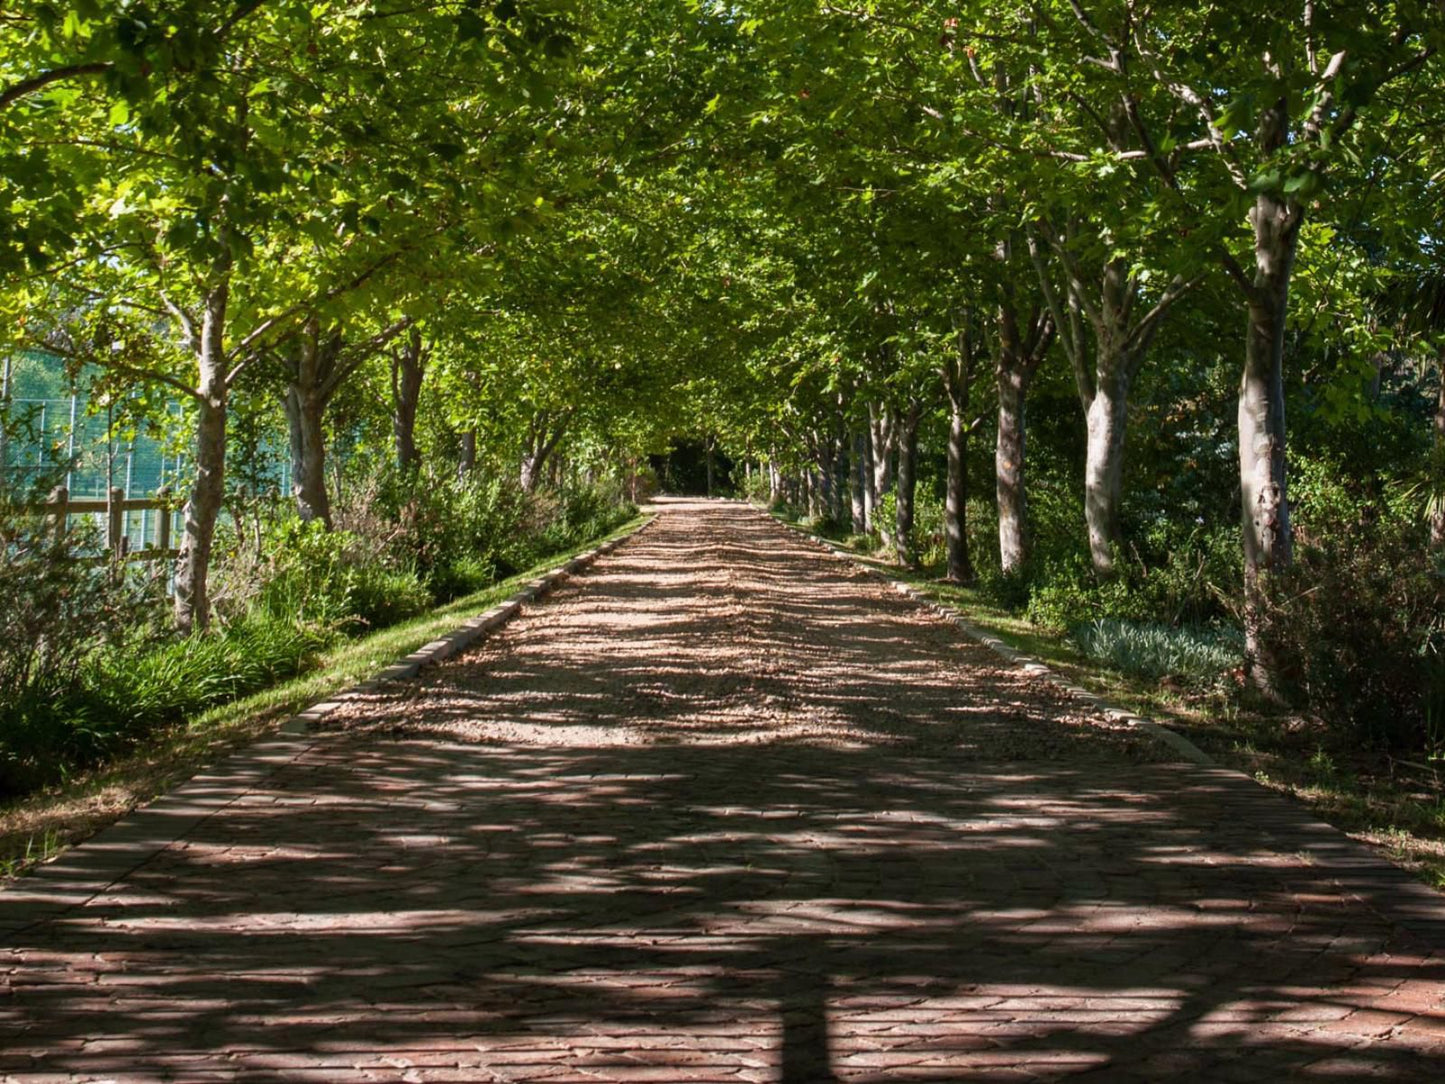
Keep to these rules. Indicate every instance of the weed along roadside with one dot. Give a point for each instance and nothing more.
(1404, 821)
(37, 827)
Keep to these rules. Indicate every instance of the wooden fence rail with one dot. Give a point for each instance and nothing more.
(58, 509)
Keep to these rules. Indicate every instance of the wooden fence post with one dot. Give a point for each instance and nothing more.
(115, 524)
(163, 512)
(58, 502)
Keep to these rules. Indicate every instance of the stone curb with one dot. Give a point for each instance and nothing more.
(89, 868)
(1356, 868)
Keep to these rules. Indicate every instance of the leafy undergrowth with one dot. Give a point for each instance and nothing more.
(1396, 804)
(41, 825)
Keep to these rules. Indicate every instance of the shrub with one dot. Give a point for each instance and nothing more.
(58, 610)
(336, 580)
(1356, 621)
(756, 486)
(162, 684)
(1176, 576)
(450, 532)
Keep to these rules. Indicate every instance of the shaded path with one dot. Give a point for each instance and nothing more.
(725, 809)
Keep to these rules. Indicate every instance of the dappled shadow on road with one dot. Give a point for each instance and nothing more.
(742, 632)
(900, 894)
(789, 912)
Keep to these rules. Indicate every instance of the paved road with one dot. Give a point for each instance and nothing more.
(723, 809)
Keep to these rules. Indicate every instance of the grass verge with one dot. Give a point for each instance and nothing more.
(39, 826)
(1396, 805)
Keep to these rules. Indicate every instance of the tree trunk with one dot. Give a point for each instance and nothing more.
(710, 466)
(467, 459)
(1263, 485)
(1018, 359)
(958, 383)
(192, 602)
(531, 472)
(870, 482)
(408, 367)
(842, 504)
(1013, 539)
(857, 487)
(775, 481)
(539, 447)
(307, 393)
(1437, 473)
(881, 425)
(305, 423)
(907, 484)
(827, 475)
(1104, 467)
(955, 508)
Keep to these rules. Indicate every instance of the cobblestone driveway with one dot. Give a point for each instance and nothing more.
(724, 809)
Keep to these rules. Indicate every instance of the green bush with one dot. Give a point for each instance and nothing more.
(756, 487)
(458, 536)
(163, 684)
(1356, 622)
(58, 612)
(1175, 576)
(337, 580)
(90, 674)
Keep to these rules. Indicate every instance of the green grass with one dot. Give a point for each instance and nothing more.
(40, 825)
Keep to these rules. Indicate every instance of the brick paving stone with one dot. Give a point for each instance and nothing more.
(724, 808)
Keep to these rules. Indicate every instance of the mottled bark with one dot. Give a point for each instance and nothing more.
(1263, 484)
(203, 508)
(1013, 539)
(1106, 418)
(827, 474)
(408, 368)
(1022, 346)
(305, 424)
(317, 362)
(311, 366)
(1104, 300)
(857, 486)
(870, 481)
(841, 511)
(543, 435)
(882, 422)
(907, 484)
(958, 374)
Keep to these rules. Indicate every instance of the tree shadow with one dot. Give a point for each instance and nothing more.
(907, 894)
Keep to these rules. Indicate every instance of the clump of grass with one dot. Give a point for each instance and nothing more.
(120, 695)
(1196, 655)
(170, 681)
